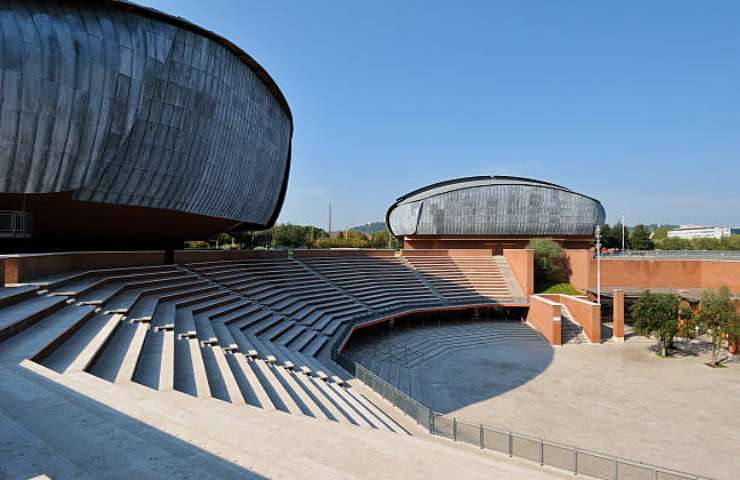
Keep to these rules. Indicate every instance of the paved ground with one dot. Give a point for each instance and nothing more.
(616, 398)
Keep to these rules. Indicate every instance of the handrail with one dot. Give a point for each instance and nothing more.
(553, 454)
(15, 224)
(673, 254)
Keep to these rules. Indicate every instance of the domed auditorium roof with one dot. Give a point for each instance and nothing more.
(136, 116)
(495, 205)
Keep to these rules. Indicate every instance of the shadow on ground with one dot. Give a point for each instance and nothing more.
(448, 365)
(49, 429)
(466, 376)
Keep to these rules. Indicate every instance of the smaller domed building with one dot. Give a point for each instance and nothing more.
(494, 212)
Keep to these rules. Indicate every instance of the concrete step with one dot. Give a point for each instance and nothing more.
(110, 359)
(275, 390)
(12, 295)
(43, 337)
(95, 345)
(20, 315)
(249, 384)
(131, 358)
(150, 359)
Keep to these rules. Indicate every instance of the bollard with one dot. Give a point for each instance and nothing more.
(481, 437)
(542, 452)
(575, 461)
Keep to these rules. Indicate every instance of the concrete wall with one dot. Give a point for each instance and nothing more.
(652, 273)
(23, 268)
(544, 316)
(521, 263)
(363, 252)
(193, 256)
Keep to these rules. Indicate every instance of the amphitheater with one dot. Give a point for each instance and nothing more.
(127, 131)
(219, 355)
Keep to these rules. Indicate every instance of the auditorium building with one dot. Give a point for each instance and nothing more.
(493, 212)
(123, 125)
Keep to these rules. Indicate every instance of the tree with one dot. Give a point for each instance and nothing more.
(660, 233)
(611, 237)
(640, 238)
(657, 314)
(717, 317)
(674, 243)
(549, 261)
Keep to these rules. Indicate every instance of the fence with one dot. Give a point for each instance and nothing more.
(15, 224)
(544, 452)
(675, 254)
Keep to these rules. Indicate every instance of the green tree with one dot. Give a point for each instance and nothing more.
(380, 240)
(611, 237)
(660, 233)
(674, 243)
(549, 262)
(640, 238)
(657, 314)
(717, 318)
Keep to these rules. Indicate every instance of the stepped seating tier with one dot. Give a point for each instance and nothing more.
(255, 333)
(464, 278)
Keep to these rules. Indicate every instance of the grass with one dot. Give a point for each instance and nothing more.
(563, 288)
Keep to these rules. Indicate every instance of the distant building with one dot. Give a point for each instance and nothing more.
(494, 213)
(689, 232)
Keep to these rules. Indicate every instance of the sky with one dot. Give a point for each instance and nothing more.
(635, 103)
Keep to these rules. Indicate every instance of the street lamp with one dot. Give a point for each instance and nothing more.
(622, 232)
(598, 264)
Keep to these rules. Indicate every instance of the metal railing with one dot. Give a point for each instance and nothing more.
(675, 254)
(15, 224)
(544, 452)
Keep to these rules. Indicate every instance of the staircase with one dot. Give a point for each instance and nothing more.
(570, 331)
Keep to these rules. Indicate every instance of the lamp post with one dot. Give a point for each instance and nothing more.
(622, 232)
(598, 264)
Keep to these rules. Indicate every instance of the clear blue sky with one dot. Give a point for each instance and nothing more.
(636, 103)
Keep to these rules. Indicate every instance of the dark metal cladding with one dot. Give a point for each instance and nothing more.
(125, 105)
(495, 205)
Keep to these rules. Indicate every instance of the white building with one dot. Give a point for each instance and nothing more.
(689, 232)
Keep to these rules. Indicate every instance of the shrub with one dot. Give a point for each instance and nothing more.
(549, 262)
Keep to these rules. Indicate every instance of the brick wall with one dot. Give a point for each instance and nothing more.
(27, 267)
(441, 252)
(652, 273)
(194, 256)
(521, 263)
(587, 314)
(364, 252)
(544, 316)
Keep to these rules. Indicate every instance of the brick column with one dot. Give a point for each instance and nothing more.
(618, 315)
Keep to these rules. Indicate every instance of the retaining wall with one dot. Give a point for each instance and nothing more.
(26, 267)
(328, 252)
(544, 316)
(194, 256)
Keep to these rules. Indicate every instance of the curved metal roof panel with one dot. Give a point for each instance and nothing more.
(498, 205)
(123, 104)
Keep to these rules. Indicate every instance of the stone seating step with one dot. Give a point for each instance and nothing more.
(16, 317)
